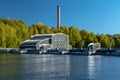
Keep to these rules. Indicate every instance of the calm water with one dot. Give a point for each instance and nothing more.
(58, 67)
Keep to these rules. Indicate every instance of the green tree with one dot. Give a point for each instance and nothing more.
(75, 37)
(2, 35)
(104, 40)
(64, 29)
(53, 30)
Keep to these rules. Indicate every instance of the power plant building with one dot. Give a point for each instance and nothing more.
(44, 42)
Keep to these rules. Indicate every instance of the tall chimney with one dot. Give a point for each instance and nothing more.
(58, 17)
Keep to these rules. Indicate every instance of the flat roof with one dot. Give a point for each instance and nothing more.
(47, 34)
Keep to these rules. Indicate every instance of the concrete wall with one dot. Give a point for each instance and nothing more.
(60, 41)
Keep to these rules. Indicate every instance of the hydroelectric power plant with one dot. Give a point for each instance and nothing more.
(44, 43)
(58, 43)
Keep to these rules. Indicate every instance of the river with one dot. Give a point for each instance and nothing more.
(58, 67)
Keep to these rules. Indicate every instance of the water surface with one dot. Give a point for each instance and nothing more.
(58, 67)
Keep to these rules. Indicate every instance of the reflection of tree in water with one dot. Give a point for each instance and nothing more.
(10, 67)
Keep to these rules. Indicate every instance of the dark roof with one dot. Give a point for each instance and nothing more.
(30, 42)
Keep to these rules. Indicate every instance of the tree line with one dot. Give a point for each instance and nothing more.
(13, 32)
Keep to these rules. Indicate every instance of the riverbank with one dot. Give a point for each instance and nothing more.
(104, 52)
(9, 50)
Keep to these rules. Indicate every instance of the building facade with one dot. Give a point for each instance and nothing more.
(44, 42)
(93, 47)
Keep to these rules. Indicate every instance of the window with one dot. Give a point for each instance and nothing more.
(50, 41)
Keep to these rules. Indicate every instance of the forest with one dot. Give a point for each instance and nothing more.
(13, 32)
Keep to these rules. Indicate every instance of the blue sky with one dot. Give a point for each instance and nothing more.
(98, 16)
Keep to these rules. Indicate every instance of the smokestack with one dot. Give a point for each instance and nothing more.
(58, 17)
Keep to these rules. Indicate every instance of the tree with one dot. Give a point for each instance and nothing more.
(33, 29)
(64, 29)
(2, 35)
(13, 32)
(53, 30)
(75, 37)
(104, 40)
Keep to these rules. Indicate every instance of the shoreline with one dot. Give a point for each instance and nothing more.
(103, 52)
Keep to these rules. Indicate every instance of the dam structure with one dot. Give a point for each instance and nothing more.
(43, 43)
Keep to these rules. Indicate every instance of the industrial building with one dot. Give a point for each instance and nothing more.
(41, 43)
(93, 47)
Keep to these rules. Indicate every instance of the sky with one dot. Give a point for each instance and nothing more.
(97, 16)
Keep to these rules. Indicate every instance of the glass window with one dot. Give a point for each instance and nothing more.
(50, 41)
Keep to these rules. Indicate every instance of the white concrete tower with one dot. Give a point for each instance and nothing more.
(58, 17)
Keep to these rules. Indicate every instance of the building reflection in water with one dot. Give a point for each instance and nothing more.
(93, 67)
(84, 67)
(46, 67)
(49, 67)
